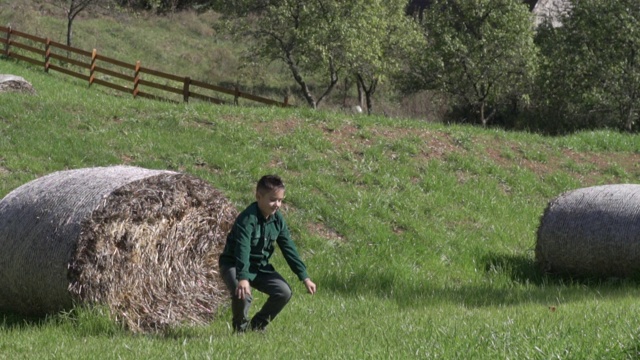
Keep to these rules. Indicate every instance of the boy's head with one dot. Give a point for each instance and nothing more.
(269, 194)
(269, 183)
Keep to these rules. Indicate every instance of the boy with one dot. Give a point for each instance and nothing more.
(244, 262)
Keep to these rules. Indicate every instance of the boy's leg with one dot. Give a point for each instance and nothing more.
(239, 307)
(274, 285)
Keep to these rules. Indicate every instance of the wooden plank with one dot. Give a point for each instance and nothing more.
(161, 87)
(70, 49)
(115, 62)
(68, 72)
(68, 60)
(236, 93)
(155, 97)
(26, 47)
(27, 59)
(28, 36)
(113, 73)
(161, 74)
(207, 98)
(260, 99)
(213, 87)
(112, 85)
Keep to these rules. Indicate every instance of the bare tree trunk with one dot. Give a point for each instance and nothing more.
(69, 31)
(333, 75)
(360, 95)
(306, 92)
(75, 7)
(368, 91)
(630, 118)
(345, 93)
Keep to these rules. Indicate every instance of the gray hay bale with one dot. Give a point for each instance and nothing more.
(142, 242)
(591, 232)
(12, 83)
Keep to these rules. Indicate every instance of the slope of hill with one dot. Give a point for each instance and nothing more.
(420, 236)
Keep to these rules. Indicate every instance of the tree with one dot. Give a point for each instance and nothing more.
(320, 40)
(479, 52)
(380, 35)
(299, 33)
(591, 68)
(72, 9)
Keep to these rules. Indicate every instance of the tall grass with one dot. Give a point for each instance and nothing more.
(419, 236)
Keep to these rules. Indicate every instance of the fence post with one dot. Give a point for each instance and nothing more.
(47, 54)
(286, 101)
(6, 45)
(92, 68)
(136, 79)
(237, 95)
(185, 89)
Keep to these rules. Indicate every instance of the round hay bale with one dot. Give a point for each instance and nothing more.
(143, 242)
(591, 232)
(12, 83)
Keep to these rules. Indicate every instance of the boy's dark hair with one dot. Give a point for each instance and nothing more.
(269, 183)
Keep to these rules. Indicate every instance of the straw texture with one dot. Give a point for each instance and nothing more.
(143, 242)
(592, 231)
(12, 83)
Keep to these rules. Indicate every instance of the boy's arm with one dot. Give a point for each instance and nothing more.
(290, 253)
(243, 231)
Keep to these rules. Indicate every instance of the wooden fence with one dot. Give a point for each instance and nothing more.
(41, 51)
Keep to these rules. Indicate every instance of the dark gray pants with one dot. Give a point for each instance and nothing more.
(272, 284)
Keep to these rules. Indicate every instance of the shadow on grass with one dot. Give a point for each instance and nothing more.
(509, 280)
(12, 321)
(84, 320)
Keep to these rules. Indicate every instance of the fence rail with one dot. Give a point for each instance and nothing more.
(101, 70)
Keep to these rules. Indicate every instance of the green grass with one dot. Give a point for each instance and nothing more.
(419, 236)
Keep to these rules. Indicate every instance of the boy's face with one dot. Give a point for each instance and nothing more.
(269, 202)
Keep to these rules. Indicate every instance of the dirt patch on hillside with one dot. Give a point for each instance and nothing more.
(352, 139)
(588, 167)
(325, 232)
(279, 128)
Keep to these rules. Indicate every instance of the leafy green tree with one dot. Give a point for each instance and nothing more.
(591, 67)
(320, 41)
(300, 33)
(379, 38)
(479, 52)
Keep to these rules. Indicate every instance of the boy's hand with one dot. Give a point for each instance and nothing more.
(311, 287)
(243, 289)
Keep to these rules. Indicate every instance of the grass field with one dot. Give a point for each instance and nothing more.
(419, 236)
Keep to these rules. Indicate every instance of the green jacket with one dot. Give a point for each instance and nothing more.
(251, 243)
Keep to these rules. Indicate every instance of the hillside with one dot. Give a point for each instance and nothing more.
(184, 43)
(187, 44)
(419, 236)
